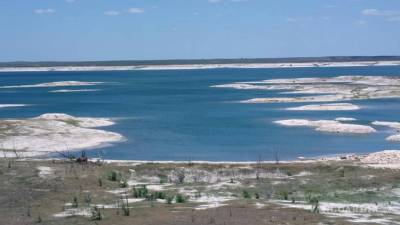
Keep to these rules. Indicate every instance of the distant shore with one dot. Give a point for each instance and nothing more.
(27, 68)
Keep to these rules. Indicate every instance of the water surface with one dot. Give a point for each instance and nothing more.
(176, 115)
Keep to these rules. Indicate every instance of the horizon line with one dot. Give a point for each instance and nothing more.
(204, 59)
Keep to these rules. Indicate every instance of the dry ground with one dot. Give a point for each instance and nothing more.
(30, 197)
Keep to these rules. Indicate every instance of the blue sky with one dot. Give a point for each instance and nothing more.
(170, 29)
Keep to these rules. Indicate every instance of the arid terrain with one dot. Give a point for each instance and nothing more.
(58, 191)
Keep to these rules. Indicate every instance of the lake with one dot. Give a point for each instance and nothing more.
(176, 115)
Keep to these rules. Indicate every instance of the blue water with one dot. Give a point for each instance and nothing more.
(175, 115)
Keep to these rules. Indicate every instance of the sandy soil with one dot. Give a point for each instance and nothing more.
(65, 192)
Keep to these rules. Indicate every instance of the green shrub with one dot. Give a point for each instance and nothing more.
(75, 202)
(163, 178)
(123, 183)
(246, 194)
(150, 197)
(100, 182)
(140, 192)
(285, 195)
(88, 199)
(341, 173)
(313, 200)
(180, 198)
(159, 195)
(113, 176)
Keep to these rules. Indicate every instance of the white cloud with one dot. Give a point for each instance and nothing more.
(329, 6)
(377, 12)
(389, 15)
(111, 13)
(117, 13)
(44, 11)
(291, 20)
(135, 10)
(306, 19)
(360, 22)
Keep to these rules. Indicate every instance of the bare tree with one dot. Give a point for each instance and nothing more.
(276, 155)
(258, 167)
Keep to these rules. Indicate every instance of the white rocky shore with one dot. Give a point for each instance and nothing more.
(393, 125)
(12, 105)
(328, 126)
(200, 66)
(323, 90)
(343, 119)
(341, 88)
(387, 158)
(73, 90)
(54, 132)
(56, 84)
(326, 107)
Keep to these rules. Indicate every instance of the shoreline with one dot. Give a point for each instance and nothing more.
(322, 158)
(384, 159)
(200, 66)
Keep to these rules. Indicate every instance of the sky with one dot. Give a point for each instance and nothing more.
(79, 30)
